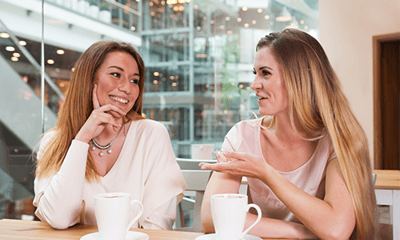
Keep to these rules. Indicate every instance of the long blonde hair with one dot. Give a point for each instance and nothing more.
(316, 99)
(78, 106)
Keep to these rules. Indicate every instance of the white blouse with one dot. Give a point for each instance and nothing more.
(146, 168)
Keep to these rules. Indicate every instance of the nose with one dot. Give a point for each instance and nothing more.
(256, 83)
(125, 85)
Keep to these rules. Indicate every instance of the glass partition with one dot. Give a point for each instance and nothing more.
(198, 55)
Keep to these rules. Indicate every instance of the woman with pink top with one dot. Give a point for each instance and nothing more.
(307, 164)
(103, 144)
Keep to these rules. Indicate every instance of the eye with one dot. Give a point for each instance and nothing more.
(115, 74)
(135, 81)
(266, 73)
(254, 72)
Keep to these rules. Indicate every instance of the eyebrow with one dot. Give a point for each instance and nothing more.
(261, 68)
(121, 69)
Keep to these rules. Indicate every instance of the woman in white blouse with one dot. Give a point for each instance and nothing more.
(102, 144)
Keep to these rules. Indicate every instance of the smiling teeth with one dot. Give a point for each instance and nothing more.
(124, 101)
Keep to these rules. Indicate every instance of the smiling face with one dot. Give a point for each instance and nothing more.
(117, 81)
(268, 84)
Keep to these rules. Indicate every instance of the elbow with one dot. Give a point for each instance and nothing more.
(55, 222)
(342, 233)
(60, 225)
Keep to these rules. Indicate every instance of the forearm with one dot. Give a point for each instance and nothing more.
(274, 228)
(59, 200)
(317, 215)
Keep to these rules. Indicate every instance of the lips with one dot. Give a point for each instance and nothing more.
(118, 99)
(261, 98)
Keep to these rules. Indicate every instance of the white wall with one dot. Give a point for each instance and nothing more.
(346, 31)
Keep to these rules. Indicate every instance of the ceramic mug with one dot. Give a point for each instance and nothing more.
(229, 215)
(112, 212)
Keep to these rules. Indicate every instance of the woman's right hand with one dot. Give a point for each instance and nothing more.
(98, 119)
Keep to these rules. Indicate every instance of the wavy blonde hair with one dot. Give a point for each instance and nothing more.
(78, 106)
(316, 99)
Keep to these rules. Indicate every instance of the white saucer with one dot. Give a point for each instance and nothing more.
(131, 235)
(213, 236)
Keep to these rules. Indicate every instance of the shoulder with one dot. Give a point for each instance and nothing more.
(149, 127)
(148, 123)
(47, 137)
(245, 126)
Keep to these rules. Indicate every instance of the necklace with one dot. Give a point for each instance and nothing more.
(105, 147)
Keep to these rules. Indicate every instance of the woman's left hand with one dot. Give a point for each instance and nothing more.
(238, 163)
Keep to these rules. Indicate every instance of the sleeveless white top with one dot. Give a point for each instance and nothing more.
(310, 177)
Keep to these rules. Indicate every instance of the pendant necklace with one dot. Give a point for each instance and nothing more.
(106, 147)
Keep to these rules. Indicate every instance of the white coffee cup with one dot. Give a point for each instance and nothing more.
(229, 215)
(112, 212)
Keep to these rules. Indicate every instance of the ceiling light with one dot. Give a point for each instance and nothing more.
(14, 59)
(133, 28)
(266, 17)
(227, 18)
(294, 24)
(221, 27)
(302, 22)
(4, 35)
(241, 86)
(204, 18)
(239, 19)
(212, 21)
(229, 32)
(254, 22)
(244, 9)
(10, 48)
(155, 82)
(246, 25)
(305, 27)
(259, 10)
(50, 61)
(73, 69)
(60, 52)
(16, 54)
(156, 74)
(22, 43)
(285, 16)
(172, 77)
(174, 84)
(198, 28)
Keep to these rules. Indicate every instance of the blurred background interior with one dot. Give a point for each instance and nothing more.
(198, 55)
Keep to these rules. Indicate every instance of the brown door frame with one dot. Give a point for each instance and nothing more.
(377, 54)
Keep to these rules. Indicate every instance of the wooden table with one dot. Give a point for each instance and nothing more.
(387, 191)
(34, 230)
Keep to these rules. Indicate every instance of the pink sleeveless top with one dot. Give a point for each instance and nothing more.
(310, 177)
